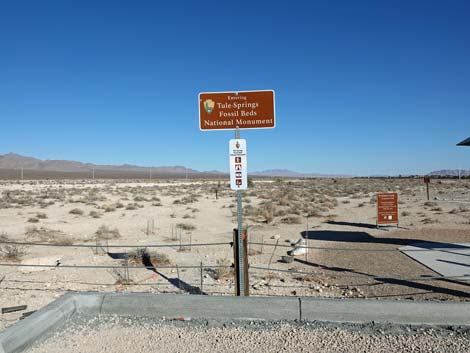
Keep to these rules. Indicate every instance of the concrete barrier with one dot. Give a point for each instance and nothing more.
(34, 328)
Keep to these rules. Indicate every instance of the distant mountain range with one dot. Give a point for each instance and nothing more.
(450, 173)
(16, 161)
(285, 173)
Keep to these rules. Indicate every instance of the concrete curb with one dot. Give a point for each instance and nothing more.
(31, 330)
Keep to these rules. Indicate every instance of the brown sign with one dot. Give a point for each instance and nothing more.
(427, 179)
(227, 110)
(387, 208)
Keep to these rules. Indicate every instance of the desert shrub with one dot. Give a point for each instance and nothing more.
(429, 220)
(291, 220)
(142, 255)
(47, 235)
(133, 206)
(41, 215)
(106, 233)
(186, 226)
(405, 213)
(140, 198)
(436, 209)
(10, 252)
(33, 220)
(109, 208)
(430, 204)
(76, 211)
(225, 270)
(95, 214)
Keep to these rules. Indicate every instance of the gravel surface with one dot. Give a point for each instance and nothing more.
(123, 335)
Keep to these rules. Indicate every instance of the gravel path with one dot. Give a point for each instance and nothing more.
(118, 335)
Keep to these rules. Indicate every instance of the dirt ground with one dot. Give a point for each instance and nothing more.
(341, 220)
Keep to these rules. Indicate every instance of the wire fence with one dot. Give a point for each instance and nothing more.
(182, 286)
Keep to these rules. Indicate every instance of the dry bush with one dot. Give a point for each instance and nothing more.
(10, 252)
(186, 226)
(429, 221)
(291, 220)
(109, 208)
(225, 271)
(77, 212)
(47, 235)
(133, 206)
(463, 208)
(41, 215)
(143, 255)
(405, 213)
(94, 214)
(33, 220)
(140, 199)
(430, 204)
(106, 233)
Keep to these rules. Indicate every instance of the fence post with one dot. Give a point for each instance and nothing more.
(245, 262)
(235, 262)
(202, 279)
(236, 258)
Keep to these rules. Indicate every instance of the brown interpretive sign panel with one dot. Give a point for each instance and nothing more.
(387, 208)
(229, 110)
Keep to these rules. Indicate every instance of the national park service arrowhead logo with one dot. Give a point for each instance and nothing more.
(237, 144)
(209, 105)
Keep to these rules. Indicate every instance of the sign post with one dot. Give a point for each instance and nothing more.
(427, 180)
(238, 182)
(235, 111)
(387, 208)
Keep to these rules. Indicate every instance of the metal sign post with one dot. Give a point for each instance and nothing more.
(238, 182)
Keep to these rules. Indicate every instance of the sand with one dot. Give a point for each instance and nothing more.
(342, 215)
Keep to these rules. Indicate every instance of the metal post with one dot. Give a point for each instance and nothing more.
(202, 280)
(241, 270)
(306, 242)
(427, 190)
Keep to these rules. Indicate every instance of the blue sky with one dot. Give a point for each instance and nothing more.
(362, 87)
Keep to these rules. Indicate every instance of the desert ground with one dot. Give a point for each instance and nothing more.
(91, 223)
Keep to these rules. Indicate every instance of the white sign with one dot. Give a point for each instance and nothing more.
(238, 170)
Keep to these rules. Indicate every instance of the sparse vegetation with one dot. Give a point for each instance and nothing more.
(225, 270)
(77, 212)
(95, 214)
(46, 235)
(10, 252)
(186, 226)
(143, 256)
(106, 233)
